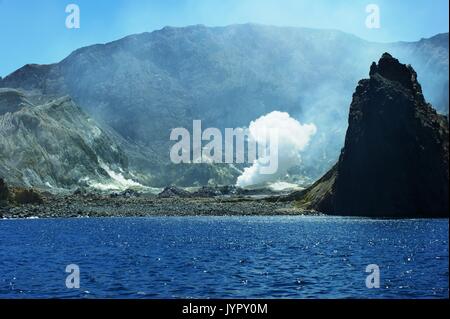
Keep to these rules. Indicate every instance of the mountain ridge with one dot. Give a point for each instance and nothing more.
(441, 36)
(55, 145)
(142, 86)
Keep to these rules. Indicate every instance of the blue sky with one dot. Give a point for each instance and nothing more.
(33, 31)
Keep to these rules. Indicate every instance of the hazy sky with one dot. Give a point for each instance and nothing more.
(34, 31)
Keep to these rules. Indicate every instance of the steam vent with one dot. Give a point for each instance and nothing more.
(395, 159)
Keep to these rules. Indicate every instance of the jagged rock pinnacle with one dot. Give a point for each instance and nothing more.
(391, 69)
(395, 159)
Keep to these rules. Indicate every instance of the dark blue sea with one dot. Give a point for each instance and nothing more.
(224, 257)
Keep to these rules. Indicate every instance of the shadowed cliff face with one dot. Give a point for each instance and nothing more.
(4, 192)
(395, 158)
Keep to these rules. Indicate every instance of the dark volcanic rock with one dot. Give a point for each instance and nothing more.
(27, 196)
(172, 191)
(395, 158)
(4, 192)
(130, 193)
(80, 191)
(207, 191)
(230, 190)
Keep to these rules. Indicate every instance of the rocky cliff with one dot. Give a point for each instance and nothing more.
(395, 161)
(55, 145)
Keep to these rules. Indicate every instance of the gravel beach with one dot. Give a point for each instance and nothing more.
(101, 205)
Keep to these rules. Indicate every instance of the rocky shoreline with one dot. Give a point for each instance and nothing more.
(171, 202)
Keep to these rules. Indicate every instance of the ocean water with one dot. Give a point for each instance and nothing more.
(224, 257)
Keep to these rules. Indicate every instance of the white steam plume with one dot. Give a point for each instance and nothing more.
(293, 137)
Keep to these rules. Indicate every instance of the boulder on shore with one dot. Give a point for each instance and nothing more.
(172, 191)
(27, 197)
(4, 191)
